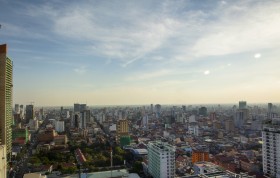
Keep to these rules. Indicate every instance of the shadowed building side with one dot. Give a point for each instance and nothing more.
(6, 85)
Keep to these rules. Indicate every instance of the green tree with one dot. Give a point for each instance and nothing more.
(45, 160)
(137, 167)
(119, 151)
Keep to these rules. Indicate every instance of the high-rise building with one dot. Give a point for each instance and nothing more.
(242, 104)
(21, 110)
(76, 107)
(184, 108)
(79, 107)
(3, 163)
(161, 159)
(76, 121)
(202, 111)
(59, 126)
(241, 117)
(84, 119)
(122, 127)
(6, 108)
(158, 110)
(83, 107)
(29, 113)
(271, 149)
(269, 107)
(145, 121)
(17, 108)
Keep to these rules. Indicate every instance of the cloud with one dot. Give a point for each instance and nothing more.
(80, 70)
(151, 75)
(247, 31)
(257, 55)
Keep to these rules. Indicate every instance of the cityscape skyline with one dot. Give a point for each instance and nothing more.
(134, 53)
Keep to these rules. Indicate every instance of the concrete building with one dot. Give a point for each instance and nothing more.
(3, 162)
(269, 107)
(271, 149)
(59, 126)
(193, 129)
(229, 125)
(157, 110)
(17, 110)
(79, 107)
(122, 127)
(84, 118)
(161, 159)
(21, 133)
(200, 155)
(145, 121)
(241, 117)
(29, 113)
(203, 111)
(242, 104)
(6, 108)
(76, 107)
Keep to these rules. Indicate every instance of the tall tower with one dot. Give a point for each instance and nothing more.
(271, 148)
(6, 108)
(242, 104)
(29, 115)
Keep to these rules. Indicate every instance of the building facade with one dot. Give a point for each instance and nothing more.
(3, 165)
(161, 160)
(59, 126)
(21, 133)
(271, 150)
(29, 113)
(122, 127)
(6, 108)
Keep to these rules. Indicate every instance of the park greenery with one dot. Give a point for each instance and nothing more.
(97, 155)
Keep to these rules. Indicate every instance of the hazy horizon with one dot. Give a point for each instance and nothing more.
(139, 52)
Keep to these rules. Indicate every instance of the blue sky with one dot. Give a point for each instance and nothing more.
(142, 52)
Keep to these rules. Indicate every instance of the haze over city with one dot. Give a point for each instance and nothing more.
(141, 52)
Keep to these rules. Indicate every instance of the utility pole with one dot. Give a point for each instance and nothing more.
(111, 161)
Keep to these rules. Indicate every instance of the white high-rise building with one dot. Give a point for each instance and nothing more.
(59, 126)
(271, 149)
(161, 160)
(145, 121)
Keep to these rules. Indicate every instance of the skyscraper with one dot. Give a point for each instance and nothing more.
(271, 148)
(242, 104)
(6, 108)
(269, 107)
(161, 157)
(76, 107)
(29, 115)
(241, 117)
(17, 108)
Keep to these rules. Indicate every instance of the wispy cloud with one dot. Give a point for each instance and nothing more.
(151, 75)
(80, 70)
(247, 31)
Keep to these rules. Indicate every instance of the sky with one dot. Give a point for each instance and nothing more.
(142, 52)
